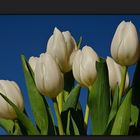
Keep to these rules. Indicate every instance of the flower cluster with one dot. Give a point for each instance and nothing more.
(63, 49)
(62, 56)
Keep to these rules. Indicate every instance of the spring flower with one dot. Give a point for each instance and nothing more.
(32, 62)
(125, 48)
(11, 90)
(84, 66)
(61, 45)
(114, 70)
(48, 77)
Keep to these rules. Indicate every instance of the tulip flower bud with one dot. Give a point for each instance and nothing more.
(61, 46)
(11, 90)
(114, 70)
(125, 48)
(84, 66)
(32, 62)
(48, 77)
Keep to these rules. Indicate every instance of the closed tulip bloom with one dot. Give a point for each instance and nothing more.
(125, 48)
(61, 45)
(114, 70)
(32, 62)
(48, 77)
(84, 66)
(11, 90)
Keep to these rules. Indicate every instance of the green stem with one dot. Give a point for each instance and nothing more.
(59, 121)
(122, 85)
(60, 100)
(86, 114)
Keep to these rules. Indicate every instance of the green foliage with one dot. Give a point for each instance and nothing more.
(113, 111)
(72, 115)
(134, 115)
(122, 120)
(99, 99)
(7, 125)
(38, 104)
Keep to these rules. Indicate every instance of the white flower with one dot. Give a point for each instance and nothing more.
(48, 77)
(11, 90)
(125, 48)
(32, 62)
(61, 46)
(114, 70)
(84, 66)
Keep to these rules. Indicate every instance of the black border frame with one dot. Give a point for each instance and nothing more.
(69, 7)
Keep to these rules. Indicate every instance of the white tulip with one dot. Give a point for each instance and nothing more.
(84, 66)
(125, 48)
(61, 46)
(48, 77)
(32, 62)
(11, 90)
(114, 70)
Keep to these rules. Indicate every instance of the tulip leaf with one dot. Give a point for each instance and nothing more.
(80, 42)
(72, 99)
(99, 99)
(17, 129)
(23, 118)
(51, 127)
(134, 115)
(39, 108)
(114, 109)
(72, 128)
(7, 125)
(72, 115)
(68, 124)
(75, 128)
(122, 120)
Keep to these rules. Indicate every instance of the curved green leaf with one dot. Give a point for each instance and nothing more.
(72, 99)
(114, 109)
(122, 120)
(134, 115)
(72, 115)
(80, 42)
(99, 99)
(17, 129)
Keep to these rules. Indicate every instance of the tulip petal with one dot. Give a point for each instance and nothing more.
(39, 76)
(51, 73)
(125, 44)
(117, 40)
(88, 67)
(128, 51)
(76, 66)
(114, 70)
(58, 48)
(32, 62)
(70, 42)
(3, 106)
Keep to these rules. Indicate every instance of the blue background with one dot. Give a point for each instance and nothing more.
(28, 35)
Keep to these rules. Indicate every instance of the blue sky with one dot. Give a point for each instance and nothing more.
(28, 35)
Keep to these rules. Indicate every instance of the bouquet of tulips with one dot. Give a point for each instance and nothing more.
(59, 73)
